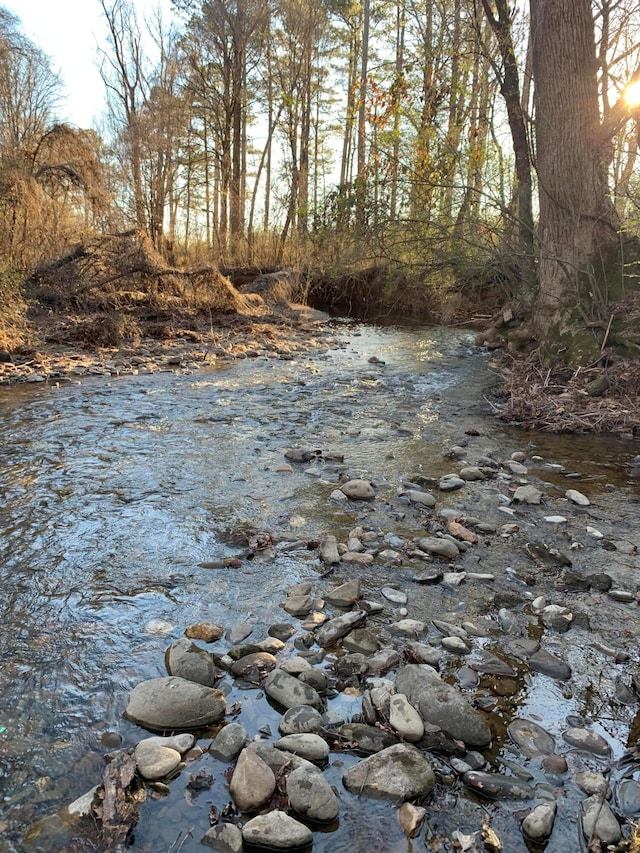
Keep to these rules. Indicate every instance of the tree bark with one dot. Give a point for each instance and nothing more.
(578, 223)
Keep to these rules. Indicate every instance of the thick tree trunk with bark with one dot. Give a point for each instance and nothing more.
(578, 223)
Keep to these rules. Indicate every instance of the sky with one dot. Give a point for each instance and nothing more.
(69, 32)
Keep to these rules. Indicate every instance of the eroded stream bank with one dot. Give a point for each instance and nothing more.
(126, 499)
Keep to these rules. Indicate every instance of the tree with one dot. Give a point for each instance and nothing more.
(578, 230)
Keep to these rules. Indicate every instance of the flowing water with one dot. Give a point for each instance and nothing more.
(115, 491)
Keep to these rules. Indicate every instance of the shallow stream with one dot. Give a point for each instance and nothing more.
(114, 491)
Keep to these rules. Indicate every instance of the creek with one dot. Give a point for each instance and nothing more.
(122, 497)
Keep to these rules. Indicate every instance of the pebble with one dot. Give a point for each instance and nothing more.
(577, 497)
(394, 595)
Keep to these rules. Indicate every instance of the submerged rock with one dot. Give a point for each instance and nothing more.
(400, 772)
(276, 831)
(175, 703)
(311, 796)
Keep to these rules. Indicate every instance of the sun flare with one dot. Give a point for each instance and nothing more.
(632, 94)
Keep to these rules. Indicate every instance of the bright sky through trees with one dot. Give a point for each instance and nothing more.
(69, 31)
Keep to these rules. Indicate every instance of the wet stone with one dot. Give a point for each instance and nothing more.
(360, 640)
(298, 605)
(309, 746)
(400, 772)
(497, 786)
(404, 718)
(592, 783)
(598, 819)
(289, 692)
(486, 662)
(208, 632)
(344, 595)
(425, 653)
(439, 547)
(587, 740)
(382, 661)
(155, 761)
(538, 824)
(311, 796)
(532, 739)
(186, 660)
(333, 630)
(300, 719)
(418, 497)
(276, 831)
(174, 703)
(358, 490)
(455, 645)
(548, 664)
(224, 838)
(281, 631)
(329, 548)
(394, 595)
(228, 742)
(252, 783)
(577, 497)
(254, 667)
(410, 818)
(367, 738)
(628, 797)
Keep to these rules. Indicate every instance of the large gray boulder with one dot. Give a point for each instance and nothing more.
(187, 660)
(399, 773)
(174, 703)
(276, 831)
(442, 705)
(311, 796)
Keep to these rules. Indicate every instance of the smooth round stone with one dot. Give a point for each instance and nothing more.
(181, 743)
(358, 490)
(588, 740)
(622, 595)
(467, 678)
(298, 605)
(367, 738)
(577, 497)
(472, 473)
(425, 653)
(538, 824)
(592, 783)
(228, 742)
(155, 761)
(555, 764)
(295, 665)
(333, 630)
(450, 483)
(276, 831)
(408, 627)
(254, 667)
(439, 546)
(455, 645)
(527, 495)
(175, 704)
(186, 660)
(532, 739)
(253, 782)
(309, 746)
(224, 838)
(404, 718)
(311, 796)
(598, 818)
(548, 664)
(394, 595)
(289, 692)
(490, 664)
(628, 797)
(399, 773)
(300, 720)
(415, 496)
(208, 632)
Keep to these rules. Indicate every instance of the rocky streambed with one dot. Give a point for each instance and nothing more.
(446, 658)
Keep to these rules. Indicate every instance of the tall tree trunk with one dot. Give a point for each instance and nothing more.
(578, 223)
(361, 177)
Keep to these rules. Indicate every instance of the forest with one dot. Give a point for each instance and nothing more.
(449, 151)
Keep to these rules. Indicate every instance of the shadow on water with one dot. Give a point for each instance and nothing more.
(114, 494)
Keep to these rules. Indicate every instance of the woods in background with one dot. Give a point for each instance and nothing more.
(450, 137)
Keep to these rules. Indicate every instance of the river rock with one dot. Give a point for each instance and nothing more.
(548, 664)
(408, 627)
(208, 632)
(628, 797)
(298, 605)
(592, 782)
(577, 497)
(279, 760)
(396, 596)
(497, 786)
(175, 703)
(329, 550)
(410, 818)
(311, 796)
(228, 742)
(532, 739)
(588, 740)
(253, 782)
(447, 629)
(224, 838)
(300, 719)
(490, 664)
(400, 772)
(527, 495)
(439, 547)
(289, 692)
(538, 824)
(237, 633)
(442, 705)
(472, 473)
(404, 718)
(383, 661)
(155, 761)
(367, 738)
(335, 629)
(455, 645)
(254, 667)
(450, 483)
(598, 819)
(276, 831)
(421, 498)
(309, 746)
(186, 660)
(360, 640)
(358, 490)
(425, 653)
(344, 595)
